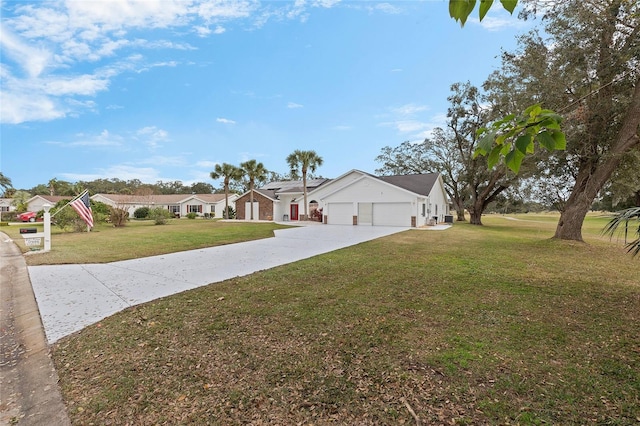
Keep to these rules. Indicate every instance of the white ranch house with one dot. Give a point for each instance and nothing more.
(355, 198)
(178, 204)
(359, 198)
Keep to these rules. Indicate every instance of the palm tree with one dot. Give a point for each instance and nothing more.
(255, 172)
(623, 217)
(228, 172)
(5, 182)
(304, 161)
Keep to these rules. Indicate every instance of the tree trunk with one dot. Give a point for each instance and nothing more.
(475, 214)
(226, 200)
(251, 196)
(459, 212)
(593, 175)
(304, 191)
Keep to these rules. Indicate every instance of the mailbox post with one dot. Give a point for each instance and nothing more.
(34, 238)
(47, 227)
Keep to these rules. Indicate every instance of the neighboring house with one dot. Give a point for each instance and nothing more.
(178, 204)
(359, 198)
(277, 201)
(36, 203)
(6, 205)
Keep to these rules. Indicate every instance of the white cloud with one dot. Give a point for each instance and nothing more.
(230, 9)
(31, 59)
(101, 140)
(206, 164)
(86, 85)
(409, 109)
(74, 48)
(408, 126)
(225, 120)
(202, 31)
(406, 119)
(325, 3)
(387, 8)
(17, 108)
(293, 105)
(176, 161)
(152, 136)
(116, 14)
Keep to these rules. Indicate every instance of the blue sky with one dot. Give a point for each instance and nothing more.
(165, 89)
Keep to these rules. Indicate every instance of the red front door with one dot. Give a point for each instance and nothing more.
(294, 212)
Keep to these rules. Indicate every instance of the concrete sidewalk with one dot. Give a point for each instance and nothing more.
(29, 393)
(70, 297)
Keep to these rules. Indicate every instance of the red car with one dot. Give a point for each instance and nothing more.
(27, 217)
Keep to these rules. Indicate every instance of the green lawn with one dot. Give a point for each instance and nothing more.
(139, 239)
(474, 325)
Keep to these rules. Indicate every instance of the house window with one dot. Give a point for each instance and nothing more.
(194, 208)
(424, 209)
(174, 209)
(436, 210)
(4, 208)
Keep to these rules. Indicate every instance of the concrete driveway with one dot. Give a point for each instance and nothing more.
(70, 297)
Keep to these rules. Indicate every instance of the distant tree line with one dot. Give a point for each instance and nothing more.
(115, 186)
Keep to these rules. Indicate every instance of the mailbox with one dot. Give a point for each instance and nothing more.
(28, 230)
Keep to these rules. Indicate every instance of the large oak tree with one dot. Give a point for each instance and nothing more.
(587, 68)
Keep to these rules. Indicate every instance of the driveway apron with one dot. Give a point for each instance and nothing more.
(70, 297)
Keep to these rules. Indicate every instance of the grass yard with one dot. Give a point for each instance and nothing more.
(138, 239)
(474, 325)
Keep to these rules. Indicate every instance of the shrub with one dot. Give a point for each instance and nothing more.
(232, 213)
(100, 207)
(141, 213)
(159, 215)
(9, 216)
(65, 217)
(192, 215)
(118, 217)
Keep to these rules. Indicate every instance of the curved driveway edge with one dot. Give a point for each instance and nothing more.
(29, 393)
(71, 297)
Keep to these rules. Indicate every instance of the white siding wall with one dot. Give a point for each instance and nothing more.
(438, 198)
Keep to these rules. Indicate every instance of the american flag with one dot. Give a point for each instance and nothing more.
(83, 208)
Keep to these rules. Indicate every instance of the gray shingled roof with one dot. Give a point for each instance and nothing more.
(293, 185)
(161, 199)
(419, 184)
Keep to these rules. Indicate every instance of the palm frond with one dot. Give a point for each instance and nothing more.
(622, 219)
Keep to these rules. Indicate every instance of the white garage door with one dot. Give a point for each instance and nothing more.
(392, 214)
(340, 214)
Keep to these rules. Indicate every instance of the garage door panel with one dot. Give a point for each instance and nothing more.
(340, 214)
(392, 214)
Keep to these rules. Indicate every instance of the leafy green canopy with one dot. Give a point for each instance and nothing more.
(513, 137)
(461, 9)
